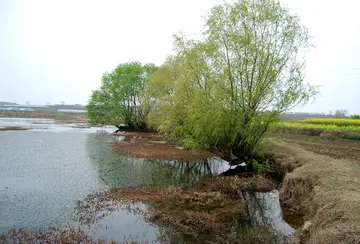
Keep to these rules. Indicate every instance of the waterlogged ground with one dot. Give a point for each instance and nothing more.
(52, 174)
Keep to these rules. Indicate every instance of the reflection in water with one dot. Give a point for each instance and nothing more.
(118, 170)
(265, 210)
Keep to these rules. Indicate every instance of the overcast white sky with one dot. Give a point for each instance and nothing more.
(52, 51)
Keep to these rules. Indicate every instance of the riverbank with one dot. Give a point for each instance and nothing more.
(321, 191)
(153, 145)
(62, 117)
(12, 128)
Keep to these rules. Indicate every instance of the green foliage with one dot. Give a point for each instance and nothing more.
(119, 99)
(261, 168)
(355, 116)
(224, 91)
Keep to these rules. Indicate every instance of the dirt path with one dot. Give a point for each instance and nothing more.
(335, 148)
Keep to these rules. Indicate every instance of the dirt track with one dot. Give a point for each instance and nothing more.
(335, 148)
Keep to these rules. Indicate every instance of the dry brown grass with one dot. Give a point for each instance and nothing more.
(151, 145)
(325, 191)
(44, 236)
(12, 128)
(231, 185)
(188, 212)
(205, 214)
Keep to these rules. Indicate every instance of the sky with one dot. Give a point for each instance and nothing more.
(53, 51)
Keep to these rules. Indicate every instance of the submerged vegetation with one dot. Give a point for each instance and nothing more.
(205, 214)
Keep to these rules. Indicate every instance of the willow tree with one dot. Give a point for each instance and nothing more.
(230, 86)
(118, 100)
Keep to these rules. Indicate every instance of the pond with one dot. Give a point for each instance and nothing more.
(46, 170)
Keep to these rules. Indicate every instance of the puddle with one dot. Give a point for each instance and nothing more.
(121, 224)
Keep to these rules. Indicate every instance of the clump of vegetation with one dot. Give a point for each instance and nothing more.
(221, 92)
(119, 100)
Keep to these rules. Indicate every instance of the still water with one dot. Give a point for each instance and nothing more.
(45, 171)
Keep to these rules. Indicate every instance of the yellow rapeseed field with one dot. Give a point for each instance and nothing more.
(332, 121)
(332, 127)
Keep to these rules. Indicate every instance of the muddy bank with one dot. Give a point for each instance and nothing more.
(212, 212)
(12, 128)
(46, 115)
(152, 145)
(321, 193)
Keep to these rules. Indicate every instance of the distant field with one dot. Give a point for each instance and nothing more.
(331, 127)
(336, 122)
(78, 117)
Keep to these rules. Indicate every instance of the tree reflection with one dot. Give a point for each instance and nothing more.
(117, 170)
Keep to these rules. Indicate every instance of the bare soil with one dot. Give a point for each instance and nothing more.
(335, 148)
(152, 145)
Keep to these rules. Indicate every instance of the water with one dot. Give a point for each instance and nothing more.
(265, 210)
(46, 170)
